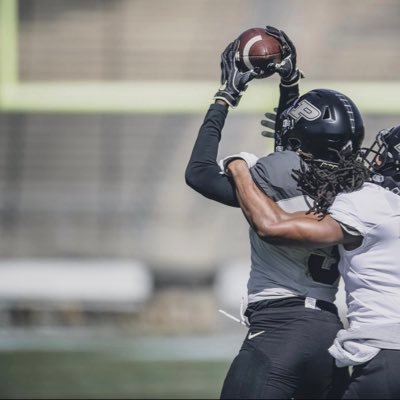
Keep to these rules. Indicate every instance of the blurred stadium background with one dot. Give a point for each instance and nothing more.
(111, 269)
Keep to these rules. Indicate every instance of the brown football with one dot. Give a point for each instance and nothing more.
(258, 49)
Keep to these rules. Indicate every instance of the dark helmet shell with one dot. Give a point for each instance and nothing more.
(322, 120)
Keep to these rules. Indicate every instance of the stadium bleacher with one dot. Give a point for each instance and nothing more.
(112, 185)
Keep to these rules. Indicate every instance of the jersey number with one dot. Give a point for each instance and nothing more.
(323, 269)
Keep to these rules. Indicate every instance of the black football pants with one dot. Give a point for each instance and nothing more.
(285, 355)
(379, 378)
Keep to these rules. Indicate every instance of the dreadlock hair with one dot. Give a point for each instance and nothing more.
(323, 180)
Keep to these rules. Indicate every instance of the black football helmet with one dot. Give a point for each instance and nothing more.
(383, 158)
(318, 122)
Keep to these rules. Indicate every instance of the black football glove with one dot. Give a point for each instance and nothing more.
(287, 69)
(233, 82)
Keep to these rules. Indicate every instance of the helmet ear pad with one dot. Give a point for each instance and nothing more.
(323, 120)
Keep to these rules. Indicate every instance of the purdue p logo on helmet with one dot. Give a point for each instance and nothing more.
(304, 109)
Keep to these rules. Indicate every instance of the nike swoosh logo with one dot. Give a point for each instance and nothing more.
(253, 335)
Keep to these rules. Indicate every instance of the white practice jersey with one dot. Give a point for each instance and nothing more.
(371, 272)
(287, 271)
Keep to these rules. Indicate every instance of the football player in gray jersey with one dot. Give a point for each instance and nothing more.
(364, 220)
(290, 290)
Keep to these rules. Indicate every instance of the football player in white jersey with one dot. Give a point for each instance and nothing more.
(290, 290)
(364, 220)
(383, 159)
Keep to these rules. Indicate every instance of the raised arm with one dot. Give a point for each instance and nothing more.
(289, 85)
(202, 172)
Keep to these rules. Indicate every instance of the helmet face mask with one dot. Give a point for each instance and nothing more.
(321, 122)
(375, 155)
(383, 156)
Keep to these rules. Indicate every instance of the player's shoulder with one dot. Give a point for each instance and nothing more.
(274, 175)
(362, 196)
(366, 209)
(371, 201)
(278, 163)
(286, 157)
(368, 193)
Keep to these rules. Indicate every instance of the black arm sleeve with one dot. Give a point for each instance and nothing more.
(203, 173)
(288, 94)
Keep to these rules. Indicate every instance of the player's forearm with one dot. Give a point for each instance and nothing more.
(305, 231)
(261, 211)
(274, 224)
(202, 172)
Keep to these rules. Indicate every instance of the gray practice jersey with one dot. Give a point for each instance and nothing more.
(286, 271)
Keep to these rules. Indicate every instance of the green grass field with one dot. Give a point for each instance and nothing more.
(73, 375)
